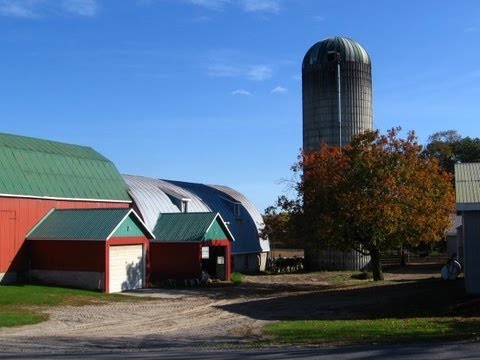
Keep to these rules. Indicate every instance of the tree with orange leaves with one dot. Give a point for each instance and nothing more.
(372, 195)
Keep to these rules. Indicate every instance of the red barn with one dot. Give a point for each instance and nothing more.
(187, 244)
(38, 175)
(103, 249)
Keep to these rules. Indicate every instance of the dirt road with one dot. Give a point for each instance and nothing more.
(225, 315)
(184, 319)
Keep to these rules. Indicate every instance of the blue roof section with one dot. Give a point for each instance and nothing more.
(242, 225)
(249, 207)
(153, 197)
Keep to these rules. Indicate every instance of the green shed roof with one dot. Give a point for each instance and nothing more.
(40, 168)
(467, 186)
(87, 224)
(191, 227)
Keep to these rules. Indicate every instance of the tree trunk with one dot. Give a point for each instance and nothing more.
(376, 264)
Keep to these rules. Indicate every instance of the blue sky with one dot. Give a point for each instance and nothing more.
(210, 90)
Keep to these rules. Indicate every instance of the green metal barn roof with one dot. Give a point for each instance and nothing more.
(88, 224)
(40, 168)
(191, 227)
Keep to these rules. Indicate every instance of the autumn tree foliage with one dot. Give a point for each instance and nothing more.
(372, 195)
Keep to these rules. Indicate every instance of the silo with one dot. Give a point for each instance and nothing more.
(337, 105)
(337, 92)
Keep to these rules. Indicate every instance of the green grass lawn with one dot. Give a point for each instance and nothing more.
(373, 331)
(23, 304)
(18, 318)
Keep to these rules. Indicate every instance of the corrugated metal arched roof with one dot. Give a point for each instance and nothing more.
(251, 209)
(153, 197)
(242, 218)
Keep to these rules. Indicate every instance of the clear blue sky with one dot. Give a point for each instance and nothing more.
(210, 90)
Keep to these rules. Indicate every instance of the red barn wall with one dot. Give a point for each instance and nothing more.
(67, 255)
(67, 263)
(19, 215)
(227, 248)
(183, 260)
(79, 263)
(175, 261)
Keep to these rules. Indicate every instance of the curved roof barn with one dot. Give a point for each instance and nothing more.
(249, 207)
(152, 197)
(243, 218)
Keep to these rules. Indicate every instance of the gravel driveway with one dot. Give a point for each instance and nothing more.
(174, 318)
(214, 317)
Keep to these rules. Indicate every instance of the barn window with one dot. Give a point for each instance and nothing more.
(205, 252)
(235, 206)
(237, 210)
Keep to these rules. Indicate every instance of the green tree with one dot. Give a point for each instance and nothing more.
(448, 147)
(441, 146)
(277, 228)
(372, 195)
(467, 150)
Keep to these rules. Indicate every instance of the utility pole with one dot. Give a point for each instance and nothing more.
(334, 57)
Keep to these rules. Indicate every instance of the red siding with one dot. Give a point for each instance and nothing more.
(67, 255)
(228, 254)
(8, 240)
(133, 240)
(25, 213)
(77, 255)
(175, 261)
(182, 260)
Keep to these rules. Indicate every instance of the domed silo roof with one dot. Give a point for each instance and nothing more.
(336, 92)
(349, 50)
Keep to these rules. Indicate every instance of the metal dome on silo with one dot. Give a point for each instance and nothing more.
(337, 92)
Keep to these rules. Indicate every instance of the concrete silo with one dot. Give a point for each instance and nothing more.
(337, 92)
(337, 105)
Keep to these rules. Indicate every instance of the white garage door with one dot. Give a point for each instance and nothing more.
(127, 268)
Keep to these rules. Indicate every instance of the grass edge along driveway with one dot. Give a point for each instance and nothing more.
(23, 304)
(311, 332)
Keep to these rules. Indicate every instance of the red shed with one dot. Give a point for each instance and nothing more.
(187, 244)
(104, 249)
(38, 175)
